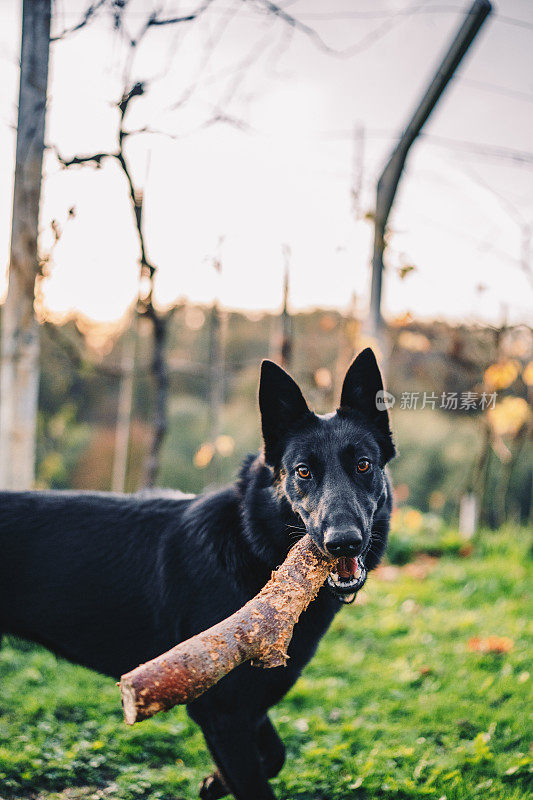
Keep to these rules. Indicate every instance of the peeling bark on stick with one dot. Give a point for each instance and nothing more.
(260, 631)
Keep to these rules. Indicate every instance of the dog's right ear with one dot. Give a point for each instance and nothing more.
(281, 404)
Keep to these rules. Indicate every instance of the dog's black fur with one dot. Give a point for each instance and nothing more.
(109, 581)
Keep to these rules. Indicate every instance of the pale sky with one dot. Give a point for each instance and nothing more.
(460, 216)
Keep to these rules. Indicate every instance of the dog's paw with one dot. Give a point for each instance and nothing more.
(213, 787)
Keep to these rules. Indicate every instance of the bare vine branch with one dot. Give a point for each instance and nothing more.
(89, 14)
(220, 114)
(156, 20)
(145, 305)
(95, 159)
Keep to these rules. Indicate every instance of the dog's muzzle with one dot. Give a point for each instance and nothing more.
(345, 580)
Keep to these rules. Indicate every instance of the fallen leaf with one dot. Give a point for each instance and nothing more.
(490, 644)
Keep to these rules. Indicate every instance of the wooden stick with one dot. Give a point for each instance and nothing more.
(261, 630)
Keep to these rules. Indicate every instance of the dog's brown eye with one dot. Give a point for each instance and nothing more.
(303, 471)
(363, 465)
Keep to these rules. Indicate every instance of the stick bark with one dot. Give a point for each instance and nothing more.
(260, 631)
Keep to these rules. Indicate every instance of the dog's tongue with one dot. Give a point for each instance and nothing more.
(346, 567)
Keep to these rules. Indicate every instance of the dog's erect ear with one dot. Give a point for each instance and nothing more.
(361, 385)
(282, 405)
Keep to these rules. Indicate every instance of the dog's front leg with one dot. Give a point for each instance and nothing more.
(213, 787)
(232, 741)
(271, 748)
(272, 754)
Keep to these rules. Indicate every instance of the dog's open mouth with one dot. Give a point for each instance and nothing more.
(346, 580)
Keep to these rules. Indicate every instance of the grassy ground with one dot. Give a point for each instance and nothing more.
(402, 701)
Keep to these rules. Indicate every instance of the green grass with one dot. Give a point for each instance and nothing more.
(394, 705)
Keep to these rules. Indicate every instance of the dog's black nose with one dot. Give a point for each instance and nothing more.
(347, 542)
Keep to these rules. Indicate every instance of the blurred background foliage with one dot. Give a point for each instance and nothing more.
(443, 453)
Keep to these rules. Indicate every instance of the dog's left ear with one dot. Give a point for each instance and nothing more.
(362, 383)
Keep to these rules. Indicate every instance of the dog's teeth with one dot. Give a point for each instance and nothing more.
(334, 576)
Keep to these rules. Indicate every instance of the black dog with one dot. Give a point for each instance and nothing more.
(109, 581)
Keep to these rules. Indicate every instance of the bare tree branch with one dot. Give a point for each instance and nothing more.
(156, 20)
(384, 13)
(95, 159)
(145, 303)
(392, 19)
(209, 51)
(159, 370)
(278, 11)
(219, 115)
(89, 14)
